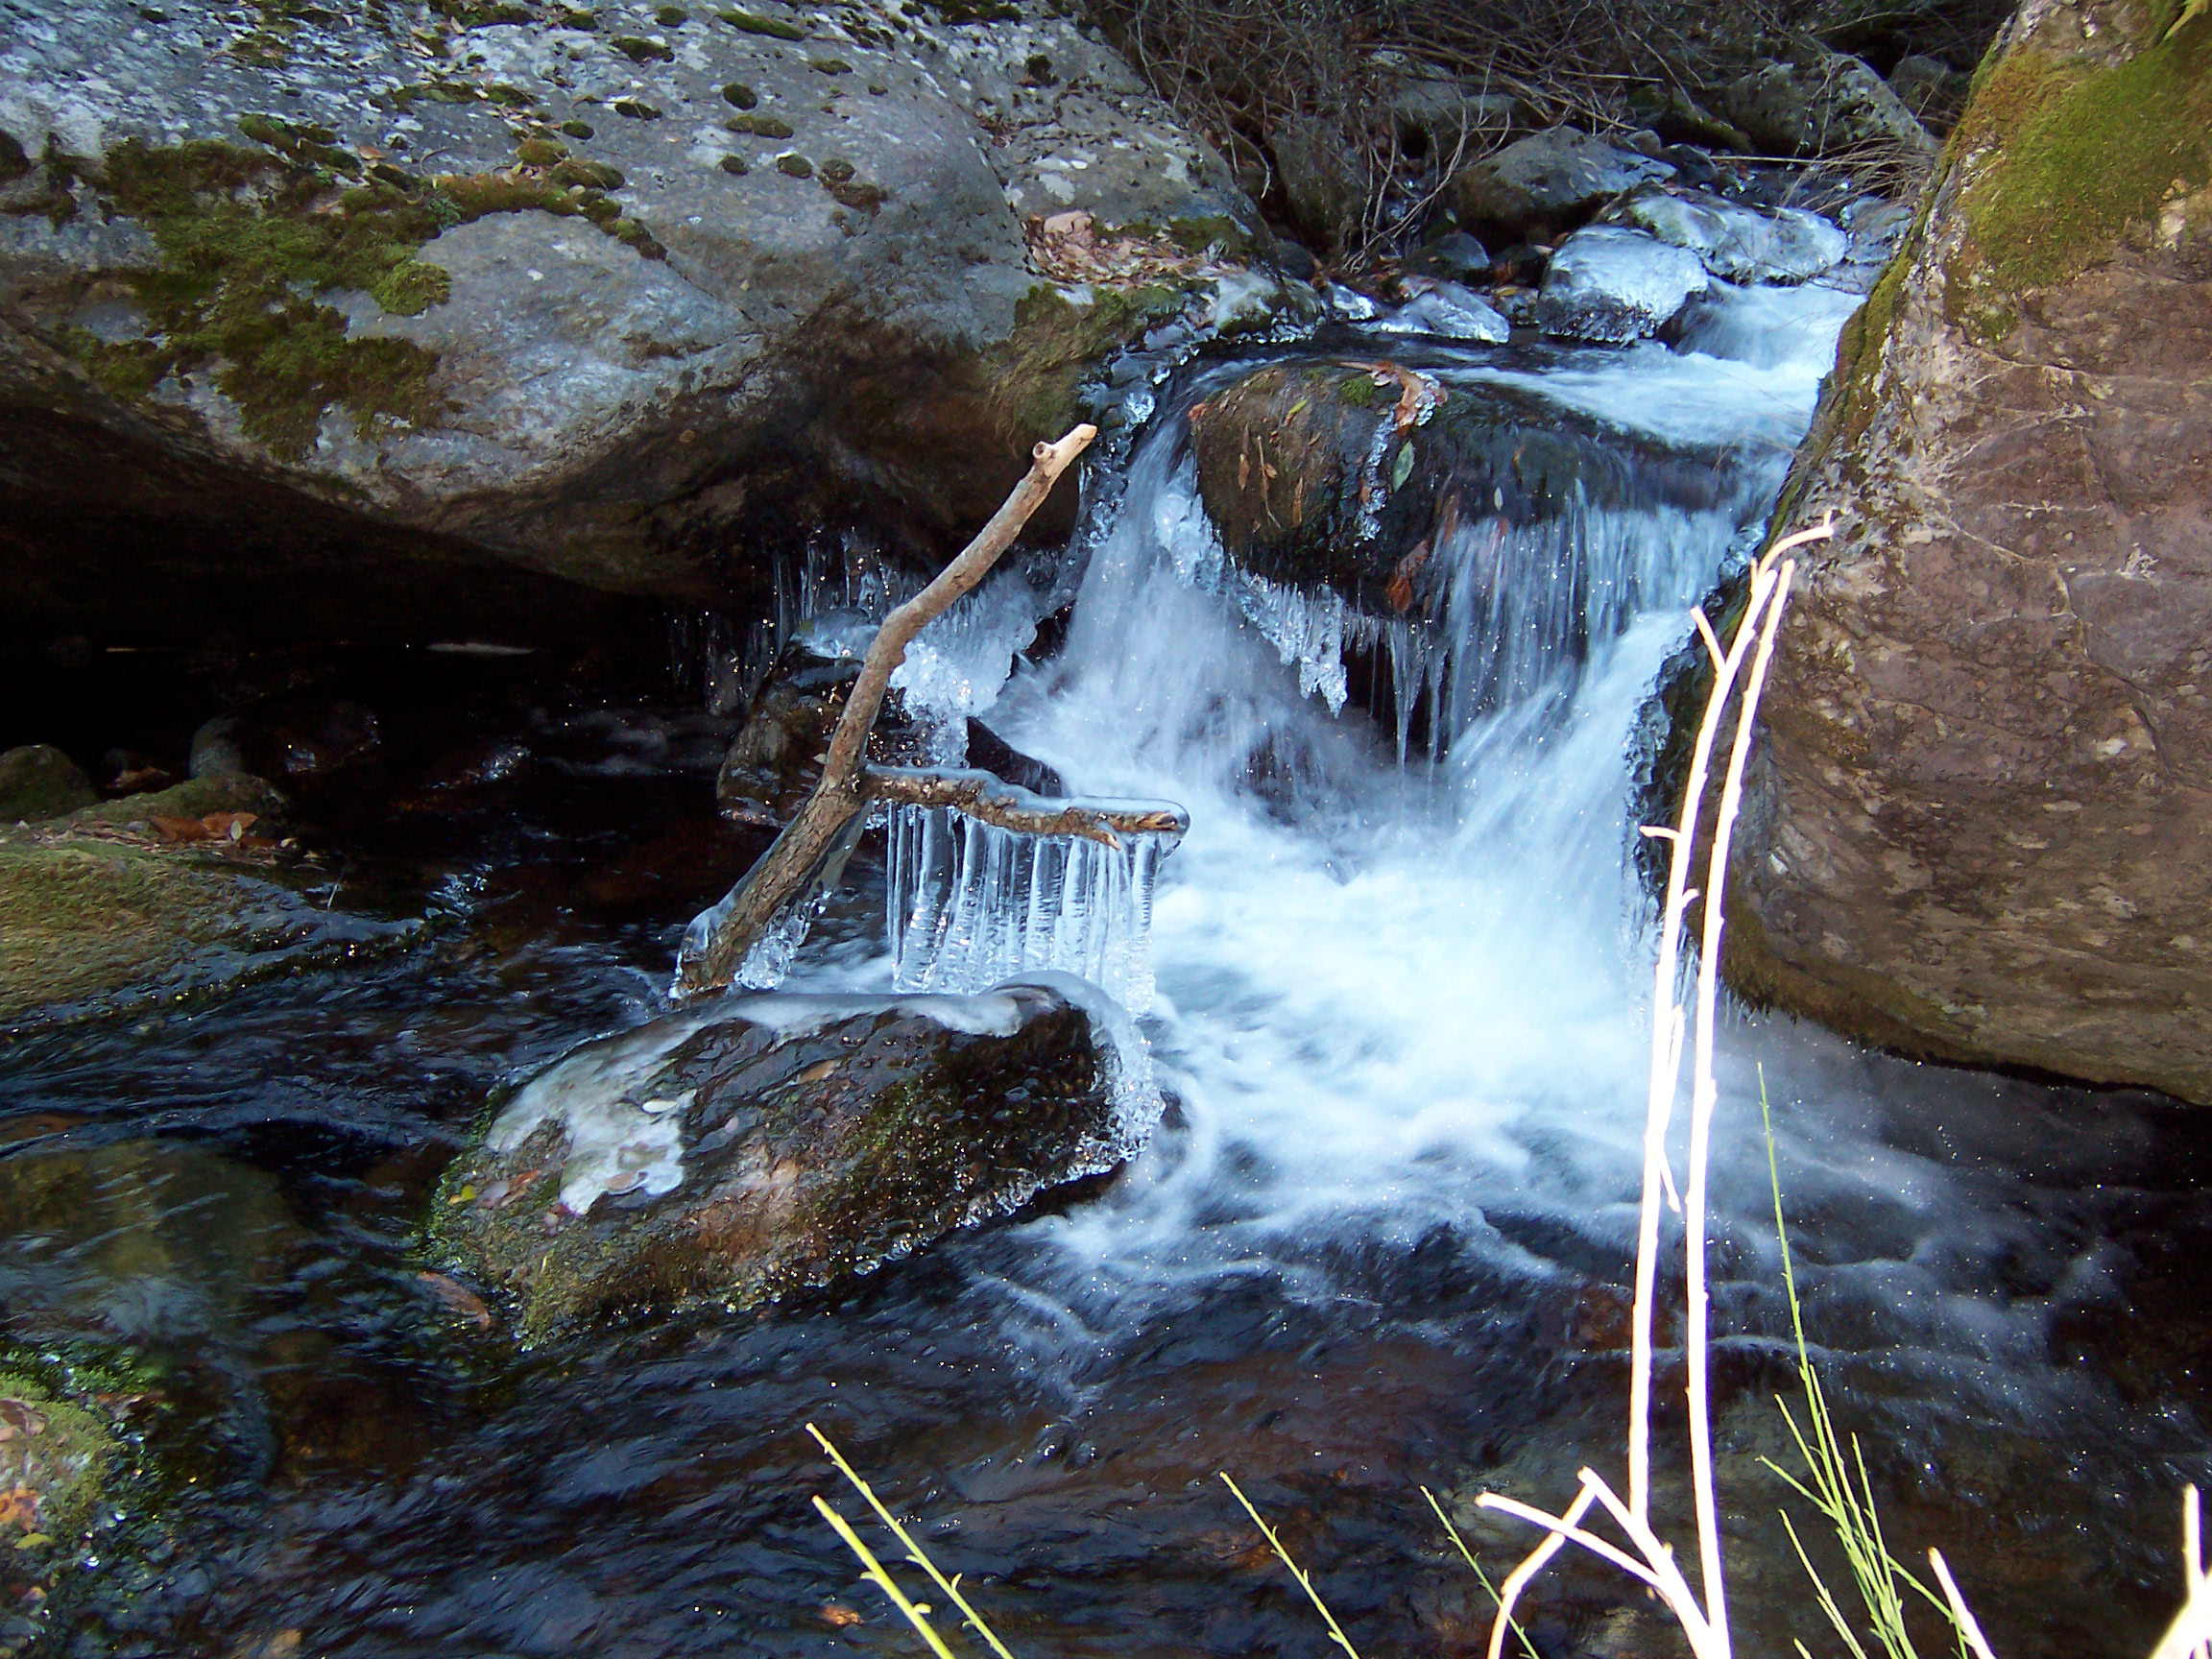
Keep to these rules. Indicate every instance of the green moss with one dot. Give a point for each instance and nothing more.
(412, 287)
(57, 1452)
(576, 19)
(301, 143)
(577, 128)
(753, 23)
(735, 165)
(2067, 159)
(1038, 372)
(741, 95)
(837, 170)
(976, 10)
(248, 249)
(639, 50)
(795, 166)
(829, 65)
(759, 126)
(636, 110)
(586, 174)
(856, 194)
(1361, 392)
(671, 16)
(541, 152)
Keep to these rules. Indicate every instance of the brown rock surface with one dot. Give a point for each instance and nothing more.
(1981, 826)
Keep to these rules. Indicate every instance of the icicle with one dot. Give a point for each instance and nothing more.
(971, 905)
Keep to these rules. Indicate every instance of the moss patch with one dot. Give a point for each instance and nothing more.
(250, 243)
(753, 23)
(759, 126)
(2069, 157)
(1056, 342)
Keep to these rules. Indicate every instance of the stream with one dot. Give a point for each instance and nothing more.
(1397, 1002)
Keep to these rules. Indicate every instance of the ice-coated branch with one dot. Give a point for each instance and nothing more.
(785, 871)
(985, 796)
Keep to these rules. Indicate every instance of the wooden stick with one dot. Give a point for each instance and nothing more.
(990, 798)
(783, 872)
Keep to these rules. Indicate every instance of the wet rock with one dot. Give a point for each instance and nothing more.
(1816, 102)
(775, 760)
(1978, 827)
(1318, 477)
(1737, 243)
(1615, 285)
(39, 782)
(731, 1155)
(1455, 257)
(1546, 182)
(1447, 310)
(198, 796)
(370, 305)
(1324, 187)
(298, 741)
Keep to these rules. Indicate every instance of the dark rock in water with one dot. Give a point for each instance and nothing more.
(1315, 479)
(775, 759)
(988, 751)
(1978, 827)
(1613, 285)
(1454, 255)
(1546, 182)
(732, 1154)
(39, 782)
(295, 740)
(1818, 102)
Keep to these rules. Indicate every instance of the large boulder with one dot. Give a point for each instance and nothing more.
(1981, 825)
(732, 1154)
(1814, 100)
(352, 302)
(1613, 284)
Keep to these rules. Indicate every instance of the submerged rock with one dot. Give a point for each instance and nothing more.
(1614, 285)
(1979, 825)
(732, 1154)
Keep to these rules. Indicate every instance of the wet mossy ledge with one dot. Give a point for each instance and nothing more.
(252, 244)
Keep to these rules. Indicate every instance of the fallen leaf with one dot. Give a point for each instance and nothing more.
(458, 1297)
(837, 1614)
(20, 1508)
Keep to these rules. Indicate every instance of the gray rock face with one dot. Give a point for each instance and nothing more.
(1737, 243)
(1816, 102)
(1551, 180)
(1982, 820)
(545, 294)
(735, 1153)
(1616, 285)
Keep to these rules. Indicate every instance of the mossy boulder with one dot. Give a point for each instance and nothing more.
(415, 283)
(157, 895)
(738, 1153)
(38, 780)
(1981, 825)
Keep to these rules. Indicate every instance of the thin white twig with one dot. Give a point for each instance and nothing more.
(1519, 1578)
(1969, 1628)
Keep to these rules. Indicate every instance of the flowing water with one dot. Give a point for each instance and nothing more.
(1397, 989)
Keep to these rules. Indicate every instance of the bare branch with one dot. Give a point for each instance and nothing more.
(985, 796)
(784, 872)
